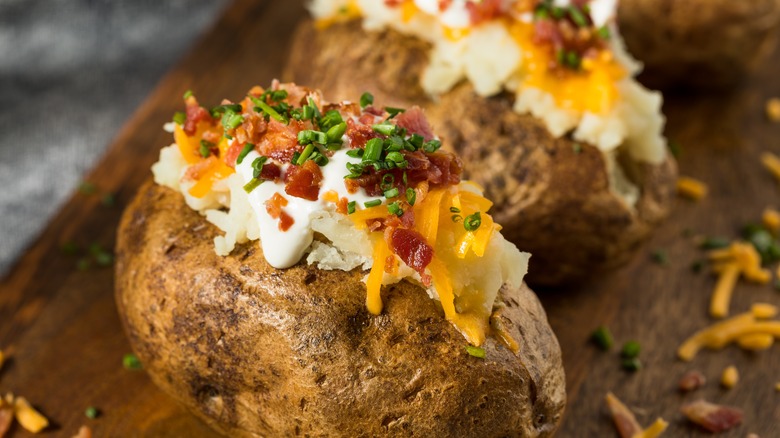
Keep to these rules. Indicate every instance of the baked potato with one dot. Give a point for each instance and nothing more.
(258, 350)
(699, 43)
(554, 196)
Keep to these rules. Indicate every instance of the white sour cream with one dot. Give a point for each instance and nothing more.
(455, 16)
(283, 249)
(601, 11)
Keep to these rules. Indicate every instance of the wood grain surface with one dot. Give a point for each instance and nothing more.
(60, 327)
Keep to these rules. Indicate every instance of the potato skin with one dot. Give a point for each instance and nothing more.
(552, 201)
(256, 351)
(698, 43)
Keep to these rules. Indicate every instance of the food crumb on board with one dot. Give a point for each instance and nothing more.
(712, 417)
(84, 432)
(30, 419)
(773, 109)
(691, 188)
(771, 220)
(692, 380)
(626, 423)
(777, 386)
(771, 163)
(730, 377)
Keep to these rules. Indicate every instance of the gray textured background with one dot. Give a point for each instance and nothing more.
(71, 72)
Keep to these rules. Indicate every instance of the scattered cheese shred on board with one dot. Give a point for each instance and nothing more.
(691, 188)
(28, 417)
(730, 377)
(772, 164)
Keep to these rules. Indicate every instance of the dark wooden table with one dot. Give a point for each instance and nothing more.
(60, 324)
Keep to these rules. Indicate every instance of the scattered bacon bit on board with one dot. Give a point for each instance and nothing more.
(692, 380)
(84, 432)
(712, 417)
(624, 419)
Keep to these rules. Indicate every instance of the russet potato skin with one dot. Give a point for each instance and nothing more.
(256, 351)
(699, 43)
(551, 197)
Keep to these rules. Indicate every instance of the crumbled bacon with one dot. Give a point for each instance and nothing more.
(342, 206)
(624, 419)
(285, 221)
(196, 171)
(296, 95)
(359, 134)
(280, 140)
(232, 153)
(195, 114)
(270, 172)
(484, 10)
(252, 129)
(84, 432)
(391, 265)
(304, 181)
(274, 205)
(415, 122)
(412, 248)
(712, 417)
(6, 417)
(444, 4)
(691, 381)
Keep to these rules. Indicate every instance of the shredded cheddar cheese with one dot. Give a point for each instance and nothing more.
(772, 164)
(773, 109)
(730, 377)
(756, 341)
(777, 386)
(28, 417)
(654, 430)
(725, 332)
(739, 258)
(691, 188)
(771, 220)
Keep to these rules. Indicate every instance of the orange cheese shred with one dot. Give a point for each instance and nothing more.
(375, 276)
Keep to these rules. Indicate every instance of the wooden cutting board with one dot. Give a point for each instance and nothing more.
(60, 326)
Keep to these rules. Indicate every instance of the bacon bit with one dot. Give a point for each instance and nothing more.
(304, 181)
(271, 172)
(391, 265)
(233, 152)
(274, 205)
(730, 377)
(773, 109)
(691, 381)
(296, 94)
(195, 114)
(359, 134)
(285, 221)
(28, 417)
(412, 248)
(84, 432)
(6, 416)
(415, 122)
(484, 10)
(253, 128)
(195, 171)
(343, 206)
(624, 419)
(712, 417)
(280, 141)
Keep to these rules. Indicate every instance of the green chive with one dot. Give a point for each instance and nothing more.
(308, 112)
(557, 12)
(454, 210)
(385, 128)
(83, 264)
(395, 208)
(472, 222)
(278, 95)
(632, 365)
(104, 258)
(108, 200)
(131, 362)
(87, 188)
(226, 108)
(392, 193)
(372, 203)
(714, 243)
(244, 152)
(394, 111)
(411, 196)
(305, 154)
(335, 133)
(257, 166)
(253, 184)
(475, 351)
(187, 94)
(660, 257)
(605, 34)
(92, 412)
(577, 148)
(264, 107)
(602, 338)
(69, 248)
(416, 141)
(456, 218)
(366, 99)
(577, 17)
(329, 120)
(777, 285)
(351, 207)
(373, 150)
(205, 148)
(179, 118)
(387, 181)
(573, 60)
(395, 157)
(431, 146)
(355, 153)
(630, 350)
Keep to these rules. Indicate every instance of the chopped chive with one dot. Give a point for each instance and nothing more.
(395, 208)
(264, 107)
(577, 148)
(632, 365)
(404, 179)
(351, 207)
(308, 112)
(187, 94)
(253, 184)
(179, 118)
(305, 154)
(373, 150)
(69, 248)
(335, 133)
(366, 99)
(660, 257)
(278, 95)
(108, 200)
(104, 258)
(83, 264)
(244, 152)
(472, 222)
(395, 157)
(475, 351)
(257, 166)
(630, 350)
(384, 128)
(329, 120)
(714, 243)
(454, 210)
(205, 148)
(416, 141)
(355, 153)
(393, 111)
(411, 196)
(91, 412)
(392, 193)
(777, 285)
(456, 218)
(372, 203)
(87, 188)
(387, 181)
(577, 17)
(226, 108)
(131, 362)
(431, 146)
(605, 34)
(602, 338)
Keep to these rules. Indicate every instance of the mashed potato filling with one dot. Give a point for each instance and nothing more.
(436, 233)
(498, 46)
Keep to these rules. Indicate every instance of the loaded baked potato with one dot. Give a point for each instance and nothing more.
(699, 43)
(258, 340)
(568, 189)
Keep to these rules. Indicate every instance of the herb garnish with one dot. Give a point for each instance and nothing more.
(475, 351)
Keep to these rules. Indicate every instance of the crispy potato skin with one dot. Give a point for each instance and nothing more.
(700, 43)
(256, 351)
(552, 201)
